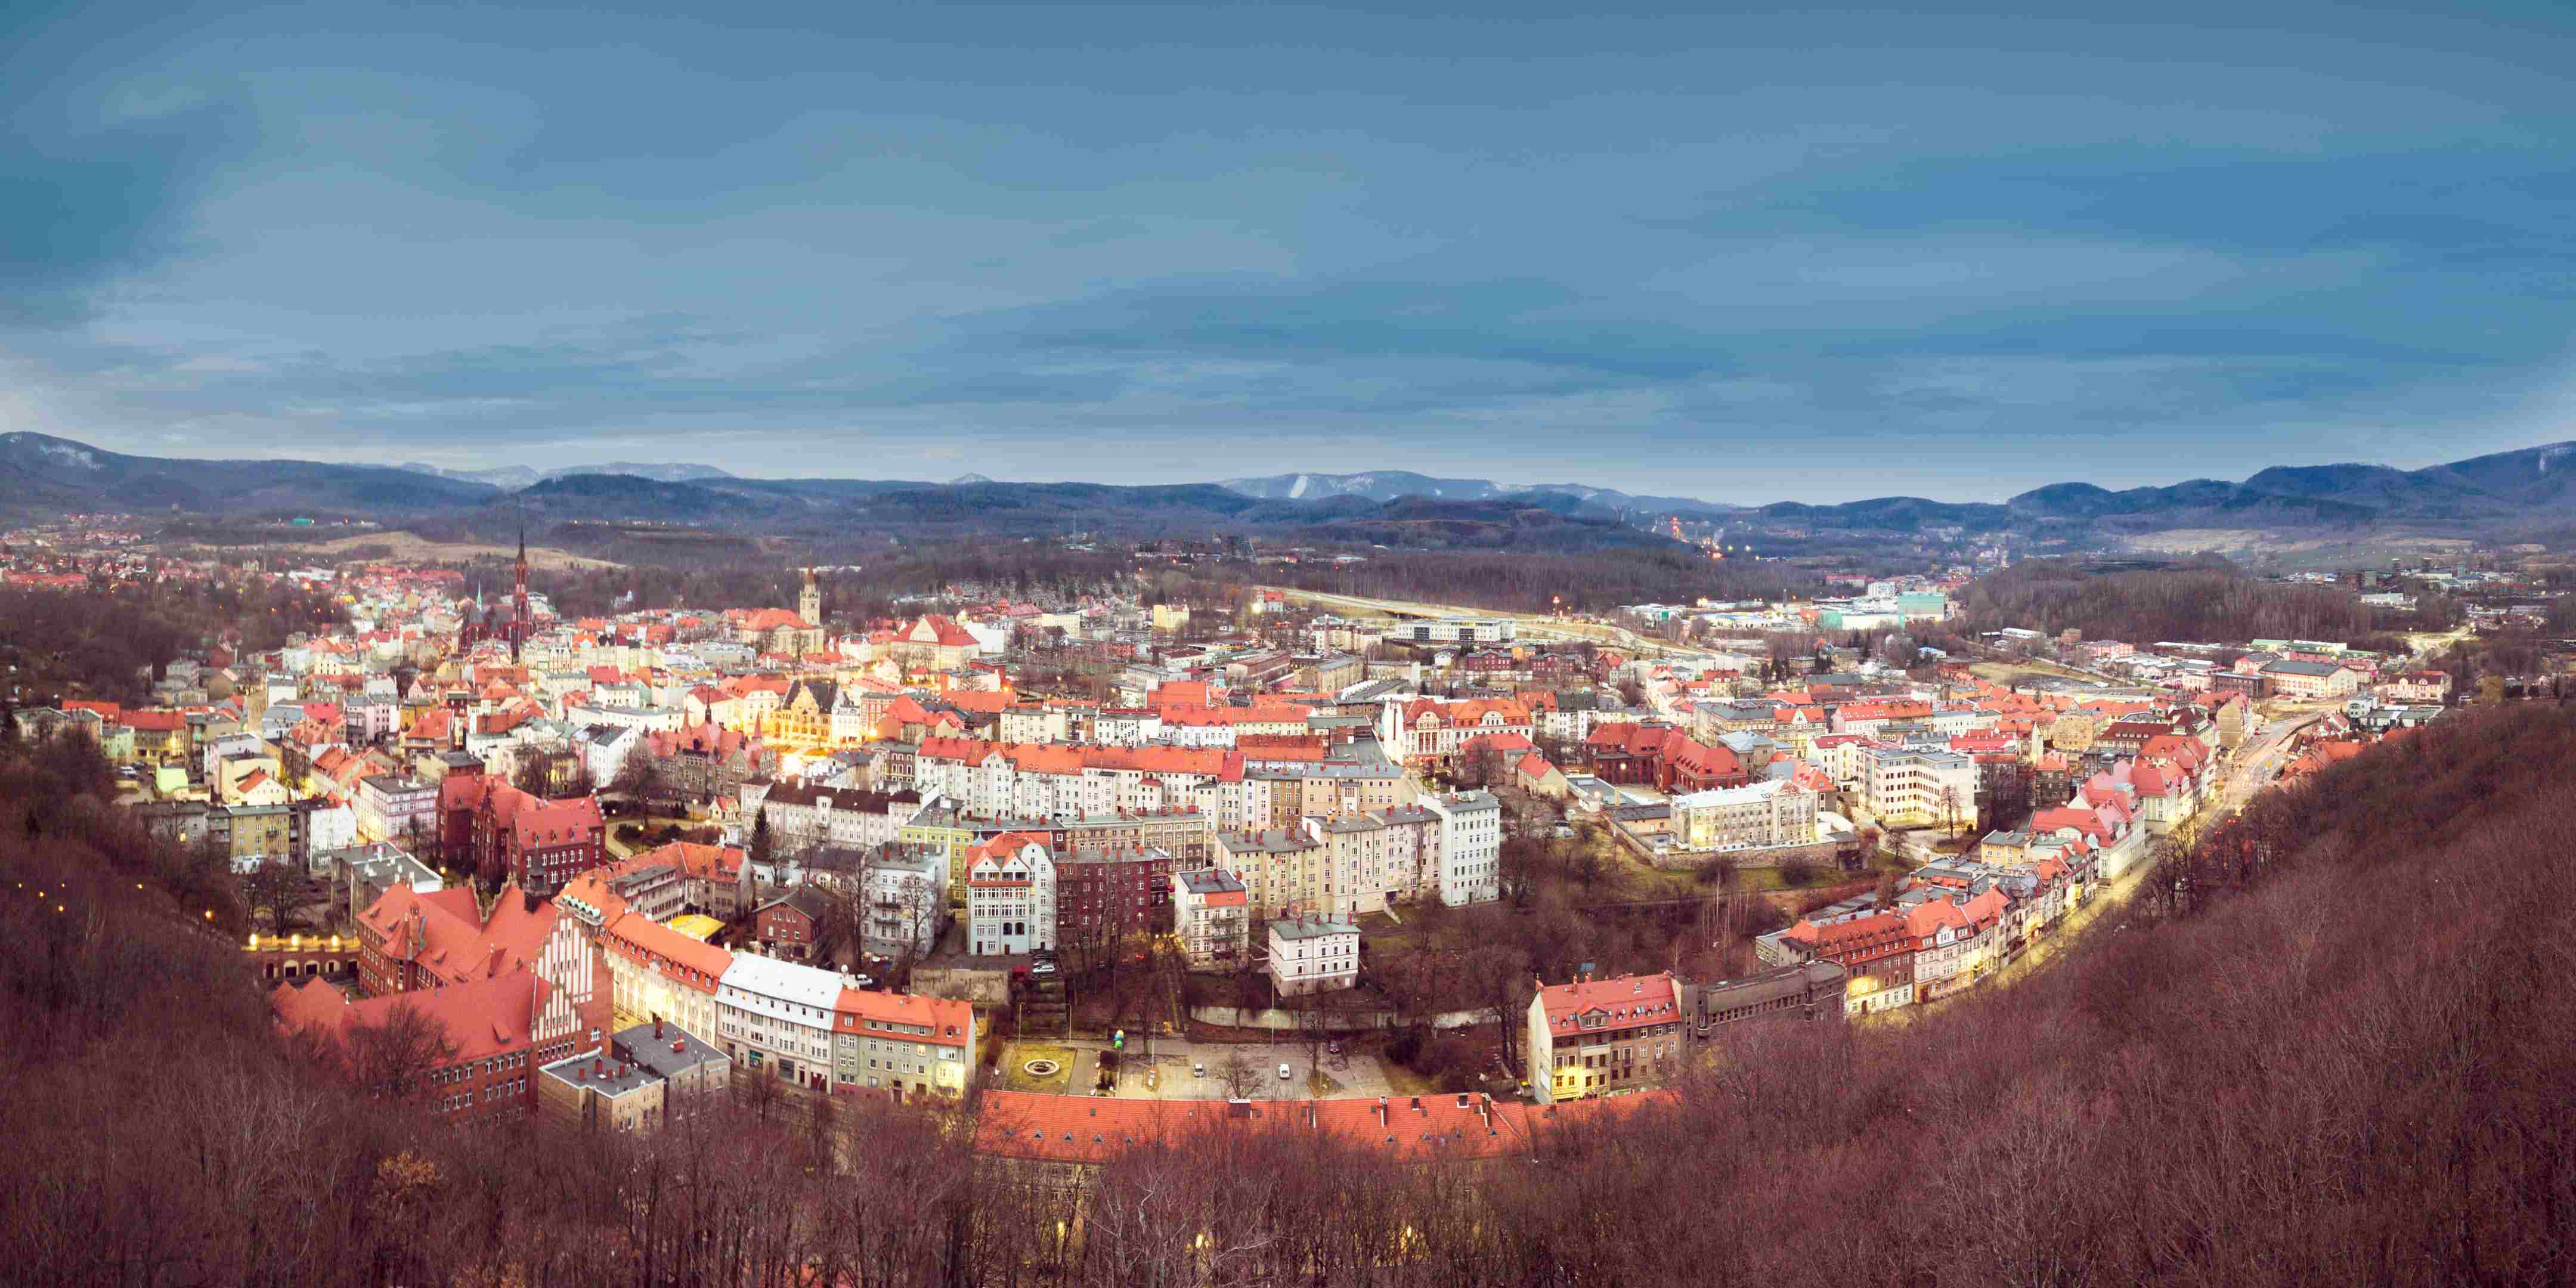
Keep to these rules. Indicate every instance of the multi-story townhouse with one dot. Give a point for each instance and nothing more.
(1212, 914)
(1876, 949)
(903, 1044)
(1313, 955)
(1471, 845)
(1010, 897)
(804, 815)
(776, 1018)
(1604, 1037)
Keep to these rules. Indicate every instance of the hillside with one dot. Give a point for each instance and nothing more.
(2199, 605)
(41, 473)
(514, 477)
(2518, 493)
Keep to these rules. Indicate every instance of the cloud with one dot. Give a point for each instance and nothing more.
(1660, 249)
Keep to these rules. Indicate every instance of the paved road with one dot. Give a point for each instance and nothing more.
(2250, 770)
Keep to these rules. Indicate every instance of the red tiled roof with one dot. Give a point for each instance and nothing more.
(482, 1017)
(950, 1021)
(453, 942)
(1627, 1001)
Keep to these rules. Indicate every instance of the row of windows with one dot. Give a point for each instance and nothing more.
(509, 1089)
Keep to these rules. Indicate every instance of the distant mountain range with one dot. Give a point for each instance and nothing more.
(1387, 485)
(514, 477)
(2528, 490)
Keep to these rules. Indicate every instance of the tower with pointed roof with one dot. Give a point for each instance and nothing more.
(809, 604)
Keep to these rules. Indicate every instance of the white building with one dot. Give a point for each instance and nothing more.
(1311, 955)
(1758, 815)
(777, 1017)
(1212, 914)
(604, 748)
(803, 815)
(906, 895)
(388, 806)
(1918, 787)
(1010, 897)
(1457, 630)
(1471, 845)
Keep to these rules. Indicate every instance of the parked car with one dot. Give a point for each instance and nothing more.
(1283, 1073)
(1198, 1068)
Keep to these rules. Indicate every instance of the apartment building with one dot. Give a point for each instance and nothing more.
(1770, 813)
(1919, 787)
(1313, 955)
(1010, 897)
(1604, 1037)
(902, 1044)
(1471, 845)
(1211, 911)
(776, 1018)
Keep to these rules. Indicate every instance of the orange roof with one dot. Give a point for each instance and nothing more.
(448, 937)
(637, 937)
(714, 862)
(1625, 1001)
(950, 1021)
(482, 1017)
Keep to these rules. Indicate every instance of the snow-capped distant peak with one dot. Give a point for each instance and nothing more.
(964, 480)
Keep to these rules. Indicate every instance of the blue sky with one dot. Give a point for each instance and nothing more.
(1751, 255)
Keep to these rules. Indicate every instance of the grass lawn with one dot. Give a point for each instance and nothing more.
(1017, 1078)
(1406, 1082)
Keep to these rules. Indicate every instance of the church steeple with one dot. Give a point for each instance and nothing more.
(809, 604)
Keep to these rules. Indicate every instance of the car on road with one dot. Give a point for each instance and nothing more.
(1198, 1068)
(1283, 1073)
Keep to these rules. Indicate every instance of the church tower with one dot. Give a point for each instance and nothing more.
(809, 605)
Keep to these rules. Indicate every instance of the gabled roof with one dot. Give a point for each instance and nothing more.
(1622, 1002)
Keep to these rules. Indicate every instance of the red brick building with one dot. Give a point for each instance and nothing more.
(1103, 893)
(500, 1026)
(540, 844)
(1662, 755)
(788, 922)
(408, 942)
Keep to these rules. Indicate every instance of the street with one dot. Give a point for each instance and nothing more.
(2254, 763)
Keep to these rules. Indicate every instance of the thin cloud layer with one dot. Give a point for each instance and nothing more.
(1664, 250)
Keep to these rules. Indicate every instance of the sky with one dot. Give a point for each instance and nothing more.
(1746, 255)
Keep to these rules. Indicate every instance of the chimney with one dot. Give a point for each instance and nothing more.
(657, 1028)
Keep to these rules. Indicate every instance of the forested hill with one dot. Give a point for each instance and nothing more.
(2211, 605)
